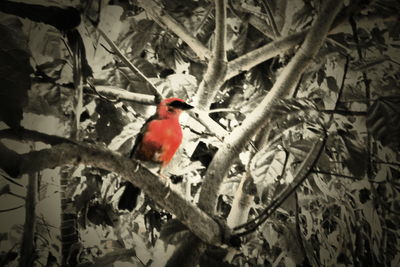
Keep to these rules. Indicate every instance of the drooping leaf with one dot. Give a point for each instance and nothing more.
(291, 112)
(383, 120)
(321, 75)
(259, 76)
(332, 84)
(141, 36)
(266, 168)
(178, 85)
(92, 188)
(355, 154)
(300, 149)
(101, 214)
(111, 121)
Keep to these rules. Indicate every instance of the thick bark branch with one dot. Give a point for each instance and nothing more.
(285, 83)
(219, 53)
(257, 56)
(246, 190)
(25, 134)
(215, 74)
(28, 237)
(195, 219)
(160, 16)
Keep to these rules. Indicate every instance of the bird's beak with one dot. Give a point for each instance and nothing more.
(185, 106)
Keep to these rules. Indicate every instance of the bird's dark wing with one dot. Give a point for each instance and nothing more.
(139, 136)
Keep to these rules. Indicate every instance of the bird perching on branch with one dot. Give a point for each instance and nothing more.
(156, 143)
(161, 135)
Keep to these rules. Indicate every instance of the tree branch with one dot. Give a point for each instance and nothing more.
(160, 16)
(195, 219)
(216, 71)
(26, 134)
(257, 56)
(271, 18)
(28, 237)
(120, 94)
(219, 52)
(246, 190)
(285, 83)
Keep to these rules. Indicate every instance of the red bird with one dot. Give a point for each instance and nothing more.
(161, 135)
(157, 142)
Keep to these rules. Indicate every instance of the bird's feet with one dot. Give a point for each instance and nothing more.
(136, 167)
(168, 187)
(167, 184)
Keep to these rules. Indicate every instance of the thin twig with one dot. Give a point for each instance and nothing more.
(344, 112)
(10, 209)
(271, 17)
(203, 21)
(335, 174)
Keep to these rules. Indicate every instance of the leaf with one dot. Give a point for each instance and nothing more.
(291, 112)
(258, 76)
(332, 84)
(92, 187)
(383, 120)
(15, 70)
(142, 35)
(102, 214)
(179, 85)
(111, 122)
(123, 142)
(320, 76)
(53, 68)
(300, 149)
(355, 158)
(270, 234)
(266, 167)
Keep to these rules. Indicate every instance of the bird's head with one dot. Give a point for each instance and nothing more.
(172, 107)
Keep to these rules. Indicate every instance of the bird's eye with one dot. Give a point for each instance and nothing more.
(170, 109)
